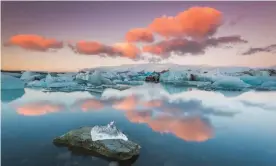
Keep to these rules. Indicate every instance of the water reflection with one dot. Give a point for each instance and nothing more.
(39, 108)
(88, 104)
(171, 89)
(10, 95)
(74, 151)
(166, 118)
(188, 128)
(237, 129)
(186, 114)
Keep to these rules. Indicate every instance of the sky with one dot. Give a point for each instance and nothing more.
(68, 36)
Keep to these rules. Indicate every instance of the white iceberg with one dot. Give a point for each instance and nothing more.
(229, 83)
(270, 85)
(60, 78)
(175, 76)
(30, 76)
(53, 82)
(94, 78)
(10, 82)
(62, 84)
(37, 83)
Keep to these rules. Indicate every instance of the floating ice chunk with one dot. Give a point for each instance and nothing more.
(257, 80)
(270, 85)
(62, 84)
(227, 82)
(52, 82)
(172, 76)
(37, 83)
(96, 78)
(29, 76)
(49, 79)
(62, 78)
(107, 132)
(106, 81)
(110, 75)
(10, 82)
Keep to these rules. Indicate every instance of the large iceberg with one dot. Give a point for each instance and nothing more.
(10, 82)
(228, 83)
(53, 82)
(94, 78)
(12, 88)
(175, 76)
(31, 76)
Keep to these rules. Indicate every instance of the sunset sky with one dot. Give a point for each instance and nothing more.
(68, 36)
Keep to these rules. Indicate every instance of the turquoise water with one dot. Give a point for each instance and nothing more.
(176, 126)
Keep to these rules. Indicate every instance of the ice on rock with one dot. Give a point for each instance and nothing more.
(107, 132)
(10, 82)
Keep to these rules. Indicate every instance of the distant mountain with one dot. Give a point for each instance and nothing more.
(11, 71)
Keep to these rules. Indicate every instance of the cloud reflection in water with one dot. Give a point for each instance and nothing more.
(185, 114)
(39, 108)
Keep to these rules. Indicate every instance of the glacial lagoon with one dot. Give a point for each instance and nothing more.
(175, 126)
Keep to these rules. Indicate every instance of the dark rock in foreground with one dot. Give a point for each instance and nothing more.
(113, 148)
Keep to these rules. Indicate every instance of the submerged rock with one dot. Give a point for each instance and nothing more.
(113, 148)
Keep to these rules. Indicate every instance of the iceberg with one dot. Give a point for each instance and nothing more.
(62, 84)
(37, 83)
(10, 82)
(60, 78)
(257, 80)
(53, 82)
(270, 85)
(174, 76)
(96, 78)
(231, 83)
(31, 76)
(107, 132)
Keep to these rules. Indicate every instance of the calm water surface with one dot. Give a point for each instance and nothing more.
(175, 126)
